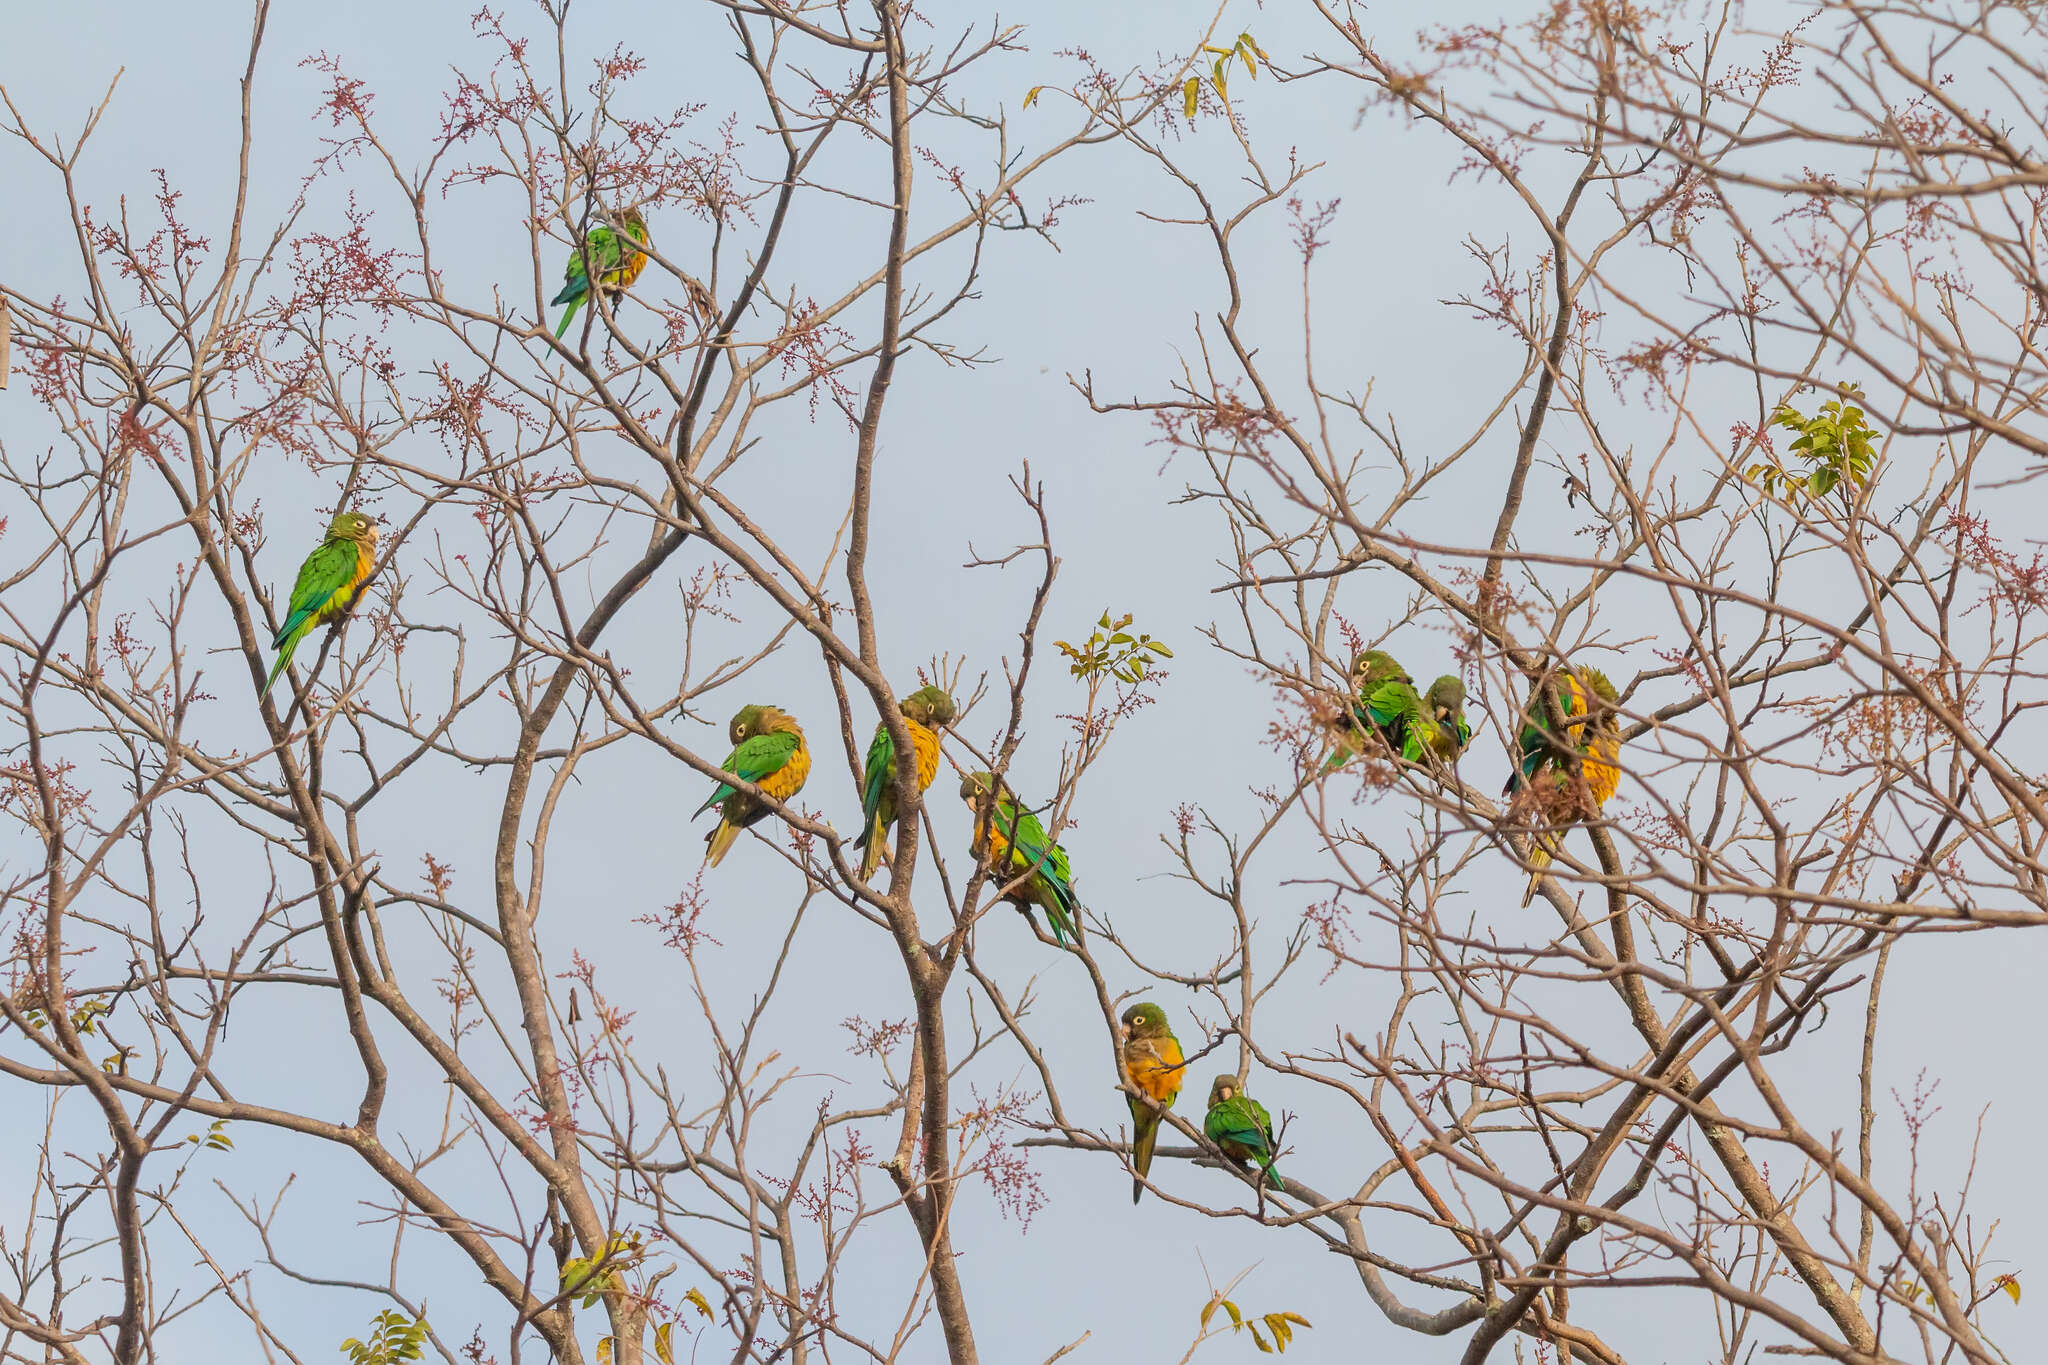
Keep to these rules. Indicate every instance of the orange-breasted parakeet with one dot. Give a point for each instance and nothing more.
(1241, 1126)
(1019, 852)
(768, 751)
(617, 261)
(1549, 790)
(925, 712)
(1152, 1058)
(328, 585)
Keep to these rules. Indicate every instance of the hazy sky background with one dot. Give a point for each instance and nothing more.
(1118, 298)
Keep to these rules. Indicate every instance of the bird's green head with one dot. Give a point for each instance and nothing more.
(975, 787)
(1145, 1020)
(1373, 667)
(1222, 1091)
(1604, 702)
(1597, 683)
(931, 707)
(355, 526)
(746, 722)
(1446, 698)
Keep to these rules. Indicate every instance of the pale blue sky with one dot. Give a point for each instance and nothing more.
(1119, 299)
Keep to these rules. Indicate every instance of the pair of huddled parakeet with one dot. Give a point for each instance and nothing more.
(1416, 727)
(1152, 1059)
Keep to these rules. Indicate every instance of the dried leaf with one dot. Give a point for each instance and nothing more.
(1190, 97)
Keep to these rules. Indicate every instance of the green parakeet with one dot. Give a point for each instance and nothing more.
(1241, 1126)
(328, 585)
(617, 261)
(925, 712)
(1019, 851)
(768, 751)
(1444, 705)
(1376, 705)
(1152, 1058)
(1548, 790)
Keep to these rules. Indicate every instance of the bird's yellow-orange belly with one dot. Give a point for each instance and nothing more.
(789, 779)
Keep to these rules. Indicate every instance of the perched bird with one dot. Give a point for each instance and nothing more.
(768, 751)
(328, 585)
(618, 263)
(1550, 790)
(1152, 1058)
(1444, 705)
(925, 712)
(1019, 852)
(1374, 706)
(1241, 1126)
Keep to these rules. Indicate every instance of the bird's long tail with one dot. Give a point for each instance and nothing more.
(718, 841)
(568, 315)
(1539, 863)
(1061, 915)
(284, 657)
(1144, 1138)
(1273, 1175)
(872, 843)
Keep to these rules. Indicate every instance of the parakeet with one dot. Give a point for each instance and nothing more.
(328, 584)
(768, 751)
(618, 263)
(925, 712)
(1551, 791)
(1152, 1057)
(1021, 850)
(1382, 695)
(1241, 1126)
(1444, 704)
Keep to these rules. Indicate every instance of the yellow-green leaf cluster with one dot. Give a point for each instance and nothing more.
(1245, 49)
(1279, 1327)
(1835, 444)
(394, 1338)
(216, 1138)
(1112, 649)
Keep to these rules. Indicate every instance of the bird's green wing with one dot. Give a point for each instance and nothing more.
(880, 772)
(1392, 701)
(1242, 1121)
(1054, 878)
(755, 758)
(326, 572)
(575, 282)
(1029, 847)
(604, 253)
